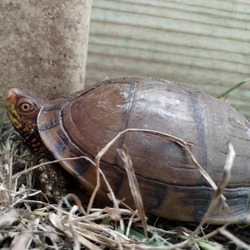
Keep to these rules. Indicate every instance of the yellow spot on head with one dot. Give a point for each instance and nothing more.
(10, 105)
(13, 115)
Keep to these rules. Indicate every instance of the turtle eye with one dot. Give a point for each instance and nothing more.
(26, 107)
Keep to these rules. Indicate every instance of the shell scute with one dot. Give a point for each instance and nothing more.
(84, 123)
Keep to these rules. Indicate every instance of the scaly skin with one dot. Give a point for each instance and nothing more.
(23, 110)
(12, 113)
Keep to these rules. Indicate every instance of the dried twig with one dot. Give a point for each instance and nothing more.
(169, 137)
(134, 187)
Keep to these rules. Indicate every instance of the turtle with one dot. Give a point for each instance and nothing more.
(82, 123)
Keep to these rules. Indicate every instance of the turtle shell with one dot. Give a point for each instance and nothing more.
(171, 186)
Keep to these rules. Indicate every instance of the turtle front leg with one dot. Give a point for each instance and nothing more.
(52, 179)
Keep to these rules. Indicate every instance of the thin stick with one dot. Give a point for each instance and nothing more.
(172, 138)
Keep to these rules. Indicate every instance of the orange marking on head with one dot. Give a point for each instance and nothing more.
(11, 97)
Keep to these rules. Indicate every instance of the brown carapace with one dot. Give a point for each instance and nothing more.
(171, 186)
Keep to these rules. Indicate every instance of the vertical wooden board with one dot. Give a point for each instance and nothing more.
(203, 44)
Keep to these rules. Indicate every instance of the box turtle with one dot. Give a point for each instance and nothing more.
(171, 186)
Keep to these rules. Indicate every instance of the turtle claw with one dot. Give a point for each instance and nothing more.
(51, 179)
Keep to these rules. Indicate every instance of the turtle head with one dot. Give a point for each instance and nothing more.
(23, 109)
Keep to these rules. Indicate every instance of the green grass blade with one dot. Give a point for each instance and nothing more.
(233, 88)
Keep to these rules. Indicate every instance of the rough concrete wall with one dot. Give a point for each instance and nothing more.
(43, 45)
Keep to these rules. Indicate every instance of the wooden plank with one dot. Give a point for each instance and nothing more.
(204, 44)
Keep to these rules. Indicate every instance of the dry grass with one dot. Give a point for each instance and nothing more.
(27, 222)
